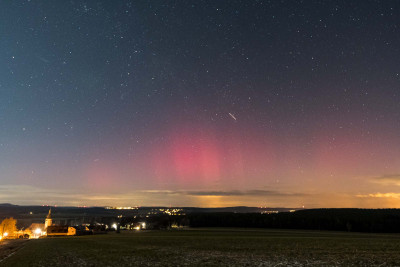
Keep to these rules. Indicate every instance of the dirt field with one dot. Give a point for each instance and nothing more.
(212, 247)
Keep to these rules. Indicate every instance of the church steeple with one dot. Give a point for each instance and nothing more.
(48, 221)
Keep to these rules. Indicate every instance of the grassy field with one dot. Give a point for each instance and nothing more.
(212, 247)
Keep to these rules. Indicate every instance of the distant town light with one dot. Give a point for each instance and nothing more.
(5, 234)
(38, 231)
(122, 208)
(114, 226)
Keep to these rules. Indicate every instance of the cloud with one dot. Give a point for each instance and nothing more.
(225, 193)
(242, 193)
(380, 195)
(393, 179)
(30, 195)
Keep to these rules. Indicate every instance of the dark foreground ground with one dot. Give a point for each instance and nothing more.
(210, 247)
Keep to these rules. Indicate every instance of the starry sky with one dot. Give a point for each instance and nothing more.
(200, 103)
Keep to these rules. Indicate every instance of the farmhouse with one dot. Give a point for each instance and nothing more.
(60, 230)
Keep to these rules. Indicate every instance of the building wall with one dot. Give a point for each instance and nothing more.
(71, 231)
(61, 231)
(48, 222)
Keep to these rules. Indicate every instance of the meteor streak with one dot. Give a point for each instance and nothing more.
(233, 117)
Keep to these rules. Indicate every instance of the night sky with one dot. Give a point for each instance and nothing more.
(200, 103)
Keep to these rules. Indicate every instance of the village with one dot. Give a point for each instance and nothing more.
(9, 229)
(33, 222)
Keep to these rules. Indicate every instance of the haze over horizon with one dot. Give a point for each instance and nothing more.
(200, 103)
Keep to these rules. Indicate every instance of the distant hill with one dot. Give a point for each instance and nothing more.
(7, 205)
(352, 220)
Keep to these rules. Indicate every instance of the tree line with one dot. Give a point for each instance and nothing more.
(354, 220)
(351, 220)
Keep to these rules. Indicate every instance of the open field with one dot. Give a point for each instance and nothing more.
(212, 247)
(10, 247)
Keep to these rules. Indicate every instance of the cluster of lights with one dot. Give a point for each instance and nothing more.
(166, 211)
(137, 226)
(172, 211)
(140, 226)
(38, 233)
(269, 212)
(4, 235)
(121, 208)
